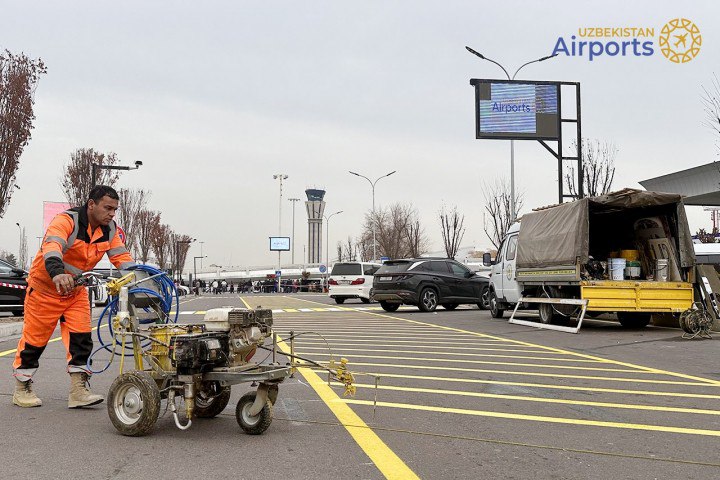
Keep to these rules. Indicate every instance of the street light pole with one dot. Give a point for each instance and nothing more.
(94, 167)
(280, 177)
(294, 201)
(20, 260)
(372, 184)
(327, 239)
(197, 292)
(201, 254)
(512, 142)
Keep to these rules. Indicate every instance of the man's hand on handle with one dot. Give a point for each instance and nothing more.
(64, 283)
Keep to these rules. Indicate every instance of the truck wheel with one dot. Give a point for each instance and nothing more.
(428, 300)
(495, 310)
(257, 424)
(134, 403)
(546, 310)
(389, 307)
(339, 300)
(634, 319)
(208, 406)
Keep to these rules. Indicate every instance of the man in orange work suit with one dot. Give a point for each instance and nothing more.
(75, 242)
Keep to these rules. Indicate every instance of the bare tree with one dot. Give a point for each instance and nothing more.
(498, 210)
(8, 257)
(19, 76)
(339, 252)
(161, 241)
(453, 230)
(397, 230)
(76, 182)
(706, 237)
(711, 105)
(350, 250)
(179, 247)
(363, 246)
(145, 227)
(598, 160)
(132, 202)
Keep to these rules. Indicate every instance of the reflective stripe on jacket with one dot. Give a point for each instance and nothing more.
(71, 247)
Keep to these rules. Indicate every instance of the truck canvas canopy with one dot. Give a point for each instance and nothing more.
(561, 235)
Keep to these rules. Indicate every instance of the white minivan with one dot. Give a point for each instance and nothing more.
(351, 280)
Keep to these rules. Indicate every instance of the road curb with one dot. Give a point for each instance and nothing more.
(9, 330)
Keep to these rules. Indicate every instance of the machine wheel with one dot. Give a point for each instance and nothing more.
(339, 300)
(546, 310)
(389, 307)
(208, 406)
(428, 300)
(634, 319)
(257, 424)
(495, 310)
(484, 303)
(364, 300)
(134, 403)
(450, 306)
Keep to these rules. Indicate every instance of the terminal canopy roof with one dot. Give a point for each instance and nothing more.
(560, 235)
(700, 185)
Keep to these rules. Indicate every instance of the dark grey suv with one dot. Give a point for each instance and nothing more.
(13, 284)
(427, 283)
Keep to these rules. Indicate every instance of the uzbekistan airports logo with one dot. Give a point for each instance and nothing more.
(679, 41)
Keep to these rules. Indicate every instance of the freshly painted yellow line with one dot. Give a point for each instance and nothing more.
(389, 464)
(291, 310)
(621, 391)
(481, 362)
(522, 398)
(539, 418)
(532, 374)
(304, 345)
(247, 305)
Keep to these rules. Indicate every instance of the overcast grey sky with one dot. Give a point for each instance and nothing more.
(215, 97)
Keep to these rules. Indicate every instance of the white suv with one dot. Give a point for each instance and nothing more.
(351, 280)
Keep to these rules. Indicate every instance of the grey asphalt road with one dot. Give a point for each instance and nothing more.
(459, 395)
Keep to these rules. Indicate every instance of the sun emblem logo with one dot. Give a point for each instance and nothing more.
(680, 40)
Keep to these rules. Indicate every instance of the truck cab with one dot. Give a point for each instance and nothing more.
(504, 288)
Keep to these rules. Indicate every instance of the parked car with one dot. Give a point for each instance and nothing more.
(13, 285)
(427, 283)
(351, 280)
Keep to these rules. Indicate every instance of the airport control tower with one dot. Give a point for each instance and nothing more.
(315, 207)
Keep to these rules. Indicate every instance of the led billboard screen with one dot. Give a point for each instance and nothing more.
(280, 244)
(516, 110)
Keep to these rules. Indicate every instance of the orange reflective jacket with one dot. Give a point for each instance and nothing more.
(70, 246)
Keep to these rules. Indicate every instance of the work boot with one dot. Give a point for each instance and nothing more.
(80, 394)
(24, 395)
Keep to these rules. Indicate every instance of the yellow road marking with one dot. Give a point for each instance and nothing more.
(354, 341)
(541, 399)
(532, 374)
(539, 418)
(550, 386)
(483, 362)
(557, 350)
(291, 310)
(304, 345)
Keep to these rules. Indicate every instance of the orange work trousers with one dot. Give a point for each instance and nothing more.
(42, 313)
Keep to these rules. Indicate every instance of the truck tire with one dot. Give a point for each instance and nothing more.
(634, 319)
(428, 300)
(546, 311)
(495, 310)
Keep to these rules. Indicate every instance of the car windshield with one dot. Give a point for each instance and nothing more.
(346, 269)
(393, 267)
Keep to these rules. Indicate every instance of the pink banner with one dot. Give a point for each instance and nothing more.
(50, 209)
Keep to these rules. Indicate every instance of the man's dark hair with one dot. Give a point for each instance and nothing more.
(100, 191)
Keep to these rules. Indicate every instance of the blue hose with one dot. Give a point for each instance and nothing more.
(168, 293)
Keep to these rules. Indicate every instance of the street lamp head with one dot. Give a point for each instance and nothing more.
(138, 163)
(548, 57)
(475, 52)
(391, 173)
(354, 173)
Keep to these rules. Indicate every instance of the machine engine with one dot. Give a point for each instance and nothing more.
(230, 339)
